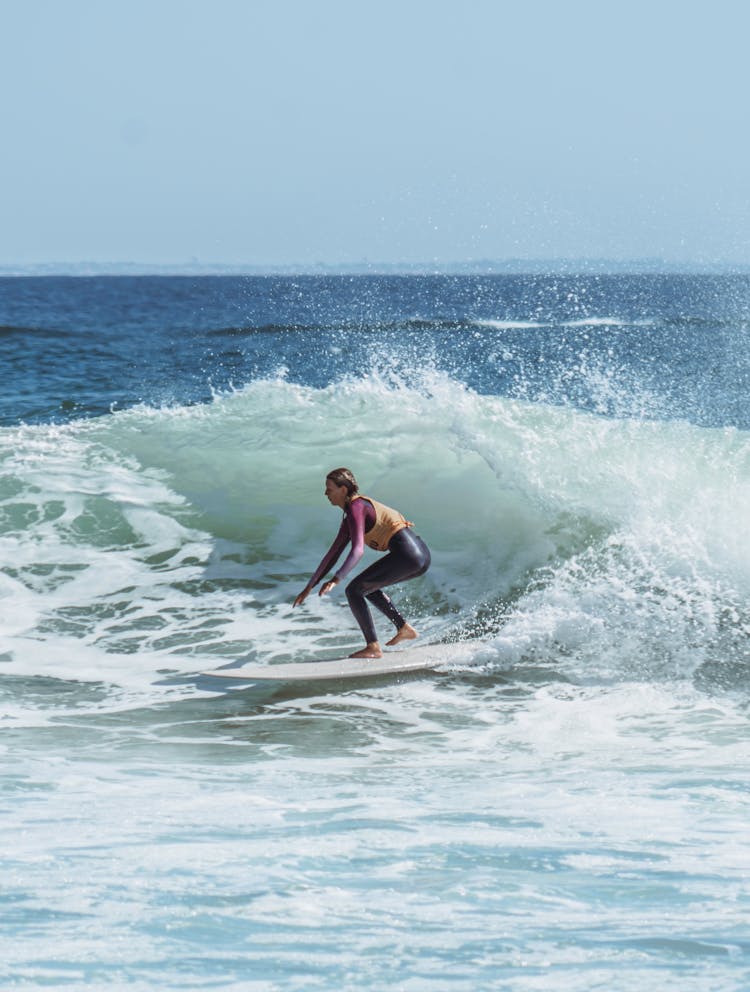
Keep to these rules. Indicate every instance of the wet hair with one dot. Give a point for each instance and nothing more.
(344, 477)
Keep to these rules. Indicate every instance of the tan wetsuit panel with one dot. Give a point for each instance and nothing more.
(387, 523)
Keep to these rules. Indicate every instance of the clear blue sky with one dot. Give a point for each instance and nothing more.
(281, 131)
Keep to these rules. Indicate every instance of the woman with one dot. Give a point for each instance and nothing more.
(368, 522)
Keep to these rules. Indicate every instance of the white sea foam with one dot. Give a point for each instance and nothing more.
(565, 807)
(509, 325)
(161, 538)
(595, 322)
(462, 838)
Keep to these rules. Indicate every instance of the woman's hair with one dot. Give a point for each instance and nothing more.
(344, 477)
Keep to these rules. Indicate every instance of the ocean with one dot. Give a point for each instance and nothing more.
(565, 809)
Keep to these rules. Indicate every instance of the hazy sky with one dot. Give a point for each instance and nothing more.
(282, 131)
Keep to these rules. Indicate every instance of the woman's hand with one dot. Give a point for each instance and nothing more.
(328, 586)
(302, 596)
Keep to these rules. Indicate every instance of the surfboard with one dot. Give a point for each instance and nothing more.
(422, 658)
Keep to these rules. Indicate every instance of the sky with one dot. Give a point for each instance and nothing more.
(283, 132)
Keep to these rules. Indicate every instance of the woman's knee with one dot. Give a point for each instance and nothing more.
(354, 590)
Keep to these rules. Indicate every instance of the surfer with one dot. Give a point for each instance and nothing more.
(368, 522)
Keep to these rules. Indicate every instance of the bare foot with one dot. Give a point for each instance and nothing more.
(369, 651)
(405, 633)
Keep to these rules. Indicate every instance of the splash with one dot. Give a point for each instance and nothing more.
(151, 543)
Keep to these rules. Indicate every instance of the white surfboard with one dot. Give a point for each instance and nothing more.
(422, 658)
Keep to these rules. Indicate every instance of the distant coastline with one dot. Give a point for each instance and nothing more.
(482, 267)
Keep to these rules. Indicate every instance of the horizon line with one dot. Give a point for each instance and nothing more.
(510, 266)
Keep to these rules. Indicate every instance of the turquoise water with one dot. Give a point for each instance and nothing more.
(446, 833)
(565, 808)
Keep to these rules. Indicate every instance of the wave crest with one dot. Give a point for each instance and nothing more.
(598, 546)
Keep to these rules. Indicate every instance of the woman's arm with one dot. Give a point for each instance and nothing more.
(352, 529)
(356, 517)
(332, 555)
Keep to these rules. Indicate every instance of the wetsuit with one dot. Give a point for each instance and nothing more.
(407, 557)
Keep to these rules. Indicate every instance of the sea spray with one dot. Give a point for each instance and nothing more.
(566, 808)
(627, 532)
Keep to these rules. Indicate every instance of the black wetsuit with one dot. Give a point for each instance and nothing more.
(407, 557)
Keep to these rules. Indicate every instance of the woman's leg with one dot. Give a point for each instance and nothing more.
(407, 558)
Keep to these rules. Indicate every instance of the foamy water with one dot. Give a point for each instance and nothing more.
(564, 807)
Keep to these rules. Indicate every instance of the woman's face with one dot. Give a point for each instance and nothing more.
(337, 495)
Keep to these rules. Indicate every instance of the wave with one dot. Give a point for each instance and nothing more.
(596, 322)
(421, 323)
(446, 324)
(510, 325)
(506, 323)
(11, 330)
(361, 327)
(153, 543)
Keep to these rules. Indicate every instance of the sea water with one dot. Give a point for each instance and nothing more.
(565, 809)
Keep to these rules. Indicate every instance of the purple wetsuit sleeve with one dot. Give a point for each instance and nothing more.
(356, 518)
(333, 554)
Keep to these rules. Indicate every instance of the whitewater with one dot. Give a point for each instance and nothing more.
(565, 808)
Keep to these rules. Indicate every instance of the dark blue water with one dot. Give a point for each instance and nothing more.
(661, 346)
